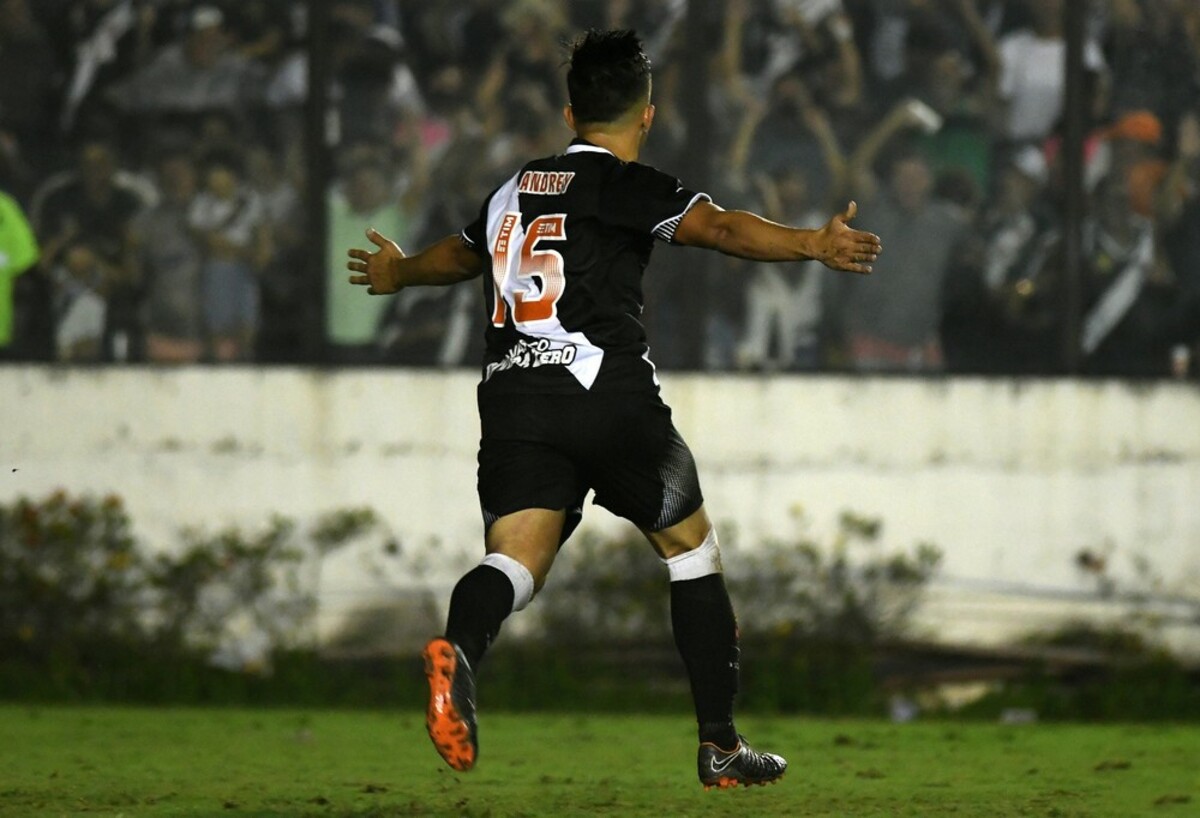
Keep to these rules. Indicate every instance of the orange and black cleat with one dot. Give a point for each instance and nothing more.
(450, 718)
(739, 767)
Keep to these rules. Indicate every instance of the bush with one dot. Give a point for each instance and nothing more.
(83, 608)
(809, 614)
(852, 590)
(70, 573)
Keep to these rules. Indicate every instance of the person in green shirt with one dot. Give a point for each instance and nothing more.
(364, 196)
(18, 252)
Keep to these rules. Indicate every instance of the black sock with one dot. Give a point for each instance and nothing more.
(707, 637)
(481, 601)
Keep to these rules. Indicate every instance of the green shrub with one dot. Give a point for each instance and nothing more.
(70, 573)
(83, 608)
(808, 613)
(852, 589)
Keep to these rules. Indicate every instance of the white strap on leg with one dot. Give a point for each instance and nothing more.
(699, 562)
(518, 575)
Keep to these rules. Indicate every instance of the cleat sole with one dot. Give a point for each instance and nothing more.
(447, 729)
(725, 783)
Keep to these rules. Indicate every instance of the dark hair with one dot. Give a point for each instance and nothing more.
(609, 74)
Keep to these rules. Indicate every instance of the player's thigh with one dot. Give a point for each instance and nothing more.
(645, 473)
(523, 462)
(531, 537)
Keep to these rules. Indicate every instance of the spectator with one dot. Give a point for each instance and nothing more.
(94, 202)
(1000, 314)
(376, 88)
(229, 219)
(784, 309)
(1129, 290)
(364, 198)
(1032, 72)
(891, 320)
(941, 74)
(532, 54)
(445, 33)
(201, 74)
(81, 281)
(171, 260)
(796, 133)
(18, 252)
(91, 209)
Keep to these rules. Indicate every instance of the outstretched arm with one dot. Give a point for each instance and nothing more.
(388, 270)
(745, 235)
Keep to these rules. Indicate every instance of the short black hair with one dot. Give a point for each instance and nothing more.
(609, 74)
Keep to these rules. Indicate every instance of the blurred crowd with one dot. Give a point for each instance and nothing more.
(153, 172)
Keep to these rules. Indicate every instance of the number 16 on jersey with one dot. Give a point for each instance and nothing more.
(538, 276)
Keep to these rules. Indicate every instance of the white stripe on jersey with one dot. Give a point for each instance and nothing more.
(587, 359)
(665, 230)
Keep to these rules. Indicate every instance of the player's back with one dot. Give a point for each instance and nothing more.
(569, 237)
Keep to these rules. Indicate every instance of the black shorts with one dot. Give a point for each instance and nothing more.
(548, 450)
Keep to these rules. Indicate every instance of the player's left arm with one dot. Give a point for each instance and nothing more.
(389, 270)
(746, 235)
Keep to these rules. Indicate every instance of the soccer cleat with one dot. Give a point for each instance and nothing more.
(741, 766)
(450, 718)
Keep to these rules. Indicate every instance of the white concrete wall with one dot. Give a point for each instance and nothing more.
(1010, 478)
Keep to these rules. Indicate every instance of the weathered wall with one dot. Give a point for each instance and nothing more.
(1010, 478)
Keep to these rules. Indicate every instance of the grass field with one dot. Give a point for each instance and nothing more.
(108, 761)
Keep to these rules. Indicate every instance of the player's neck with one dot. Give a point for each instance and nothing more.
(625, 144)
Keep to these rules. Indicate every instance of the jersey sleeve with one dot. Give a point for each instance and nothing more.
(646, 200)
(474, 235)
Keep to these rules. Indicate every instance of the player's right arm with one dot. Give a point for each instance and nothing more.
(746, 235)
(389, 270)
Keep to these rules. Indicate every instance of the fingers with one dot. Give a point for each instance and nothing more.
(865, 243)
(857, 257)
(376, 237)
(357, 266)
(862, 237)
(361, 255)
(860, 264)
(362, 280)
(850, 212)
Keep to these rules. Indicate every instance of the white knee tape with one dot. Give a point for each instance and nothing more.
(699, 562)
(518, 575)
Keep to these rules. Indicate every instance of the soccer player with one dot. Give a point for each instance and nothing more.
(569, 401)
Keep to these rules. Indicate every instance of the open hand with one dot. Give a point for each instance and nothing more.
(378, 271)
(841, 247)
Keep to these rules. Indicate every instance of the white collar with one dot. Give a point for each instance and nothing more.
(588, 149)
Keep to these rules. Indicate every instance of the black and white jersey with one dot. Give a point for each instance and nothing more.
(569, 237)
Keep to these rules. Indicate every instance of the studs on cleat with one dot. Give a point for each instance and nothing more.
(450, 717)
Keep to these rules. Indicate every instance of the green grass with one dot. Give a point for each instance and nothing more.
(108, 761)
